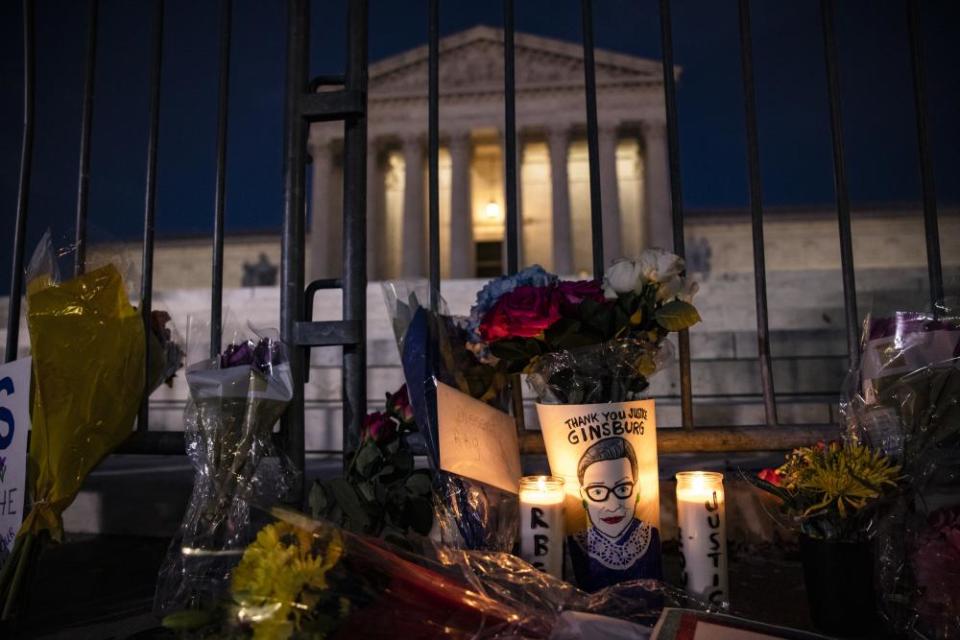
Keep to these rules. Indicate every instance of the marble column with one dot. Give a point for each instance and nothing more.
(413, 258)
(376, 219)
(656, 183)
(322, 226)
(462, 249)
(610, 194)
(558, 142)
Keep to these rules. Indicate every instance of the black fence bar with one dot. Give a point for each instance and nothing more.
(676, 197)
(86, 123)
(309, 297)
(219, 195)
(355, 232)
(593, 149)
(433, 148)
(292, 242)
(931, 227)
(840, 185)
(510, 176)
(756, 213)
(510, 139)
(150, 202)
(23, 185)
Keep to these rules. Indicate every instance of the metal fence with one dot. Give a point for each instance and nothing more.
(348, 103)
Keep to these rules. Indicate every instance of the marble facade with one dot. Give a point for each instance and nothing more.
(553, 183)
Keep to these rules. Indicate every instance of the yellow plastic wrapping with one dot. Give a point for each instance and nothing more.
(88, 345)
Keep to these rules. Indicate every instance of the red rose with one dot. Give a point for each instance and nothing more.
(399, 404)
(576, 292)
(772, 476)
(523, 313)
(378, 427)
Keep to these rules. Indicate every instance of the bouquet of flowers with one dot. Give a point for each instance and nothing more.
(303, 578)
(585, 341)
(588, 349)
(381, 493)
(905, 401)
(88, 345)
(832, 491)
(235, 401)
(434, 347)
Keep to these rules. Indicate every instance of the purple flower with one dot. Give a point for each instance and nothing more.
(262, 355)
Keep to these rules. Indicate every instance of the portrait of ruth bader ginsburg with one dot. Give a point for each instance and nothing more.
(616, 546)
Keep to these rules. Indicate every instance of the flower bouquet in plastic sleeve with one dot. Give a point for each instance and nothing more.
(588, 349)
(303, 578)
(905, 400)
(88, 346)
(435, 349)
(235, 401)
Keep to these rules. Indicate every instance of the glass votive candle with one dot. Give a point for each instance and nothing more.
(541, 523)
(702, 531)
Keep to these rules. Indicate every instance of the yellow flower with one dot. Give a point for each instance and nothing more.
(846, 477)
(279, 578)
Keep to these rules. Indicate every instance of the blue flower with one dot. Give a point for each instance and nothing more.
(534, 276)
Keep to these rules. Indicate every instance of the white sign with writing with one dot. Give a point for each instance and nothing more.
(476, 440)
(14, 425)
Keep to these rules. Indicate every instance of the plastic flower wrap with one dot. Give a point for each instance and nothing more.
(235, 401)
(303, 578)
(905, 401)
(434, 347)
(88, 345)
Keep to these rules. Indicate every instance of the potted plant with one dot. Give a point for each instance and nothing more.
(833, 492)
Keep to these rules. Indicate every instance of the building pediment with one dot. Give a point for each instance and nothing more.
(471, 62)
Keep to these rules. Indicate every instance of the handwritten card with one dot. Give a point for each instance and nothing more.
(477, 441)
(14, 425)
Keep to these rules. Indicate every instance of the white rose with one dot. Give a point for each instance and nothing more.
(658, 265)
(677, 287)
(689, 290)
(621, 277)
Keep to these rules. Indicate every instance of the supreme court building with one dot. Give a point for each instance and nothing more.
(554, 190)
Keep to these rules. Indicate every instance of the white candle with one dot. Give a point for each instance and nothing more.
(703, 535)
(541, 523)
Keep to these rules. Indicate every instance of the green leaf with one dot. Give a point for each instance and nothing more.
(368, 458)
(348, 500)
(508, 349)
(366, 490)
(318, 500)
(419, 483)
(677, 315)
(590, 308)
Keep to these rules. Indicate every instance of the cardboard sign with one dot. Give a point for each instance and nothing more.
(606, 454)
(14, 425)
(476, 440)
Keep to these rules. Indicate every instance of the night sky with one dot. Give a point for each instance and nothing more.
(879, 123)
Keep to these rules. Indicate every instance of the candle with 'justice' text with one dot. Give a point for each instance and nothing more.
(541, 523)
(703, 535)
